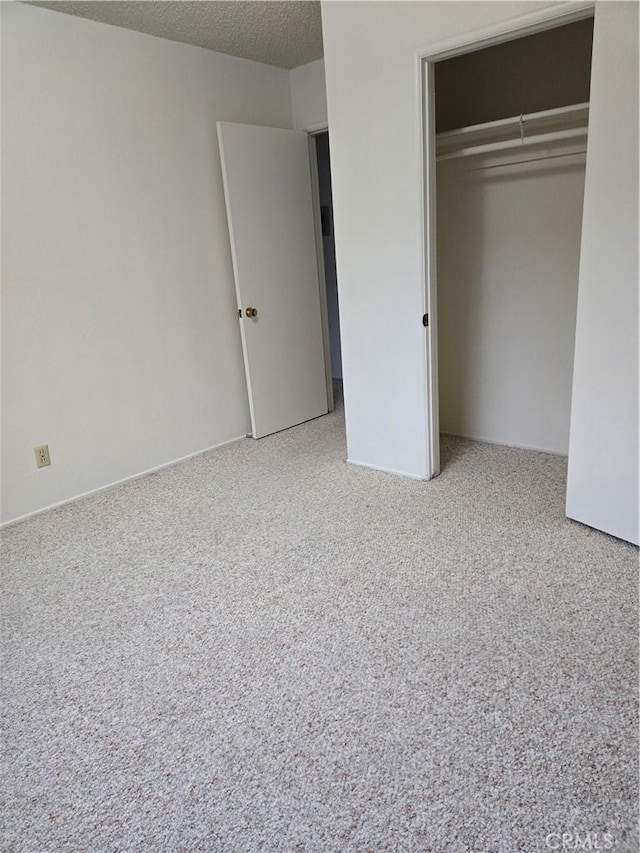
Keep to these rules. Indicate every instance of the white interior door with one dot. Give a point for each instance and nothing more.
(267, 184)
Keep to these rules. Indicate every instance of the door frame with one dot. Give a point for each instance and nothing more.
(322, 281)
(509, 30)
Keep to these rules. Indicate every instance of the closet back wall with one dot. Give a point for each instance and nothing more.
(508, 260)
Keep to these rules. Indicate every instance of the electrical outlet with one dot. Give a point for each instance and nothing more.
(42, 456)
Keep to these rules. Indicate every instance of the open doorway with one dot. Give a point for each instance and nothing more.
(509, 127)
(323, 161)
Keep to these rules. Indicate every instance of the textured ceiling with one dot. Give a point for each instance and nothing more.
(287, 34)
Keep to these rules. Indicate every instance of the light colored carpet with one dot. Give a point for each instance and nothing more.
(267, 649)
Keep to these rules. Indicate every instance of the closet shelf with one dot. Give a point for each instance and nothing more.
(545, 127)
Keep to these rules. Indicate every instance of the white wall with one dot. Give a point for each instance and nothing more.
(508, 257)
(309, 96)
(120, 339)
(603, 451)
(374, 116)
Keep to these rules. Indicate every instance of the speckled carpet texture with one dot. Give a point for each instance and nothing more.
(267, 649)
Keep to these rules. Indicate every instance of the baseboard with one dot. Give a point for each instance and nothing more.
(505, 443)
(117, 483)
(386, 470)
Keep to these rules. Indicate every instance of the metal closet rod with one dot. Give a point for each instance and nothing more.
(542, 157)
(538, 139)
(514, 121)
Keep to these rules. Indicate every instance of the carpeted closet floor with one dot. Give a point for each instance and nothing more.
(267, 649)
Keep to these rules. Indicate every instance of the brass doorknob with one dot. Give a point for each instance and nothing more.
(251, 312)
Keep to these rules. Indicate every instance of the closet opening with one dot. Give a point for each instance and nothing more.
(509, 123)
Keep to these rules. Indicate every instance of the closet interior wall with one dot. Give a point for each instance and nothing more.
(509, 223)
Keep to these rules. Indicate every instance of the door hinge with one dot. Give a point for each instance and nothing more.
(425, 319)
